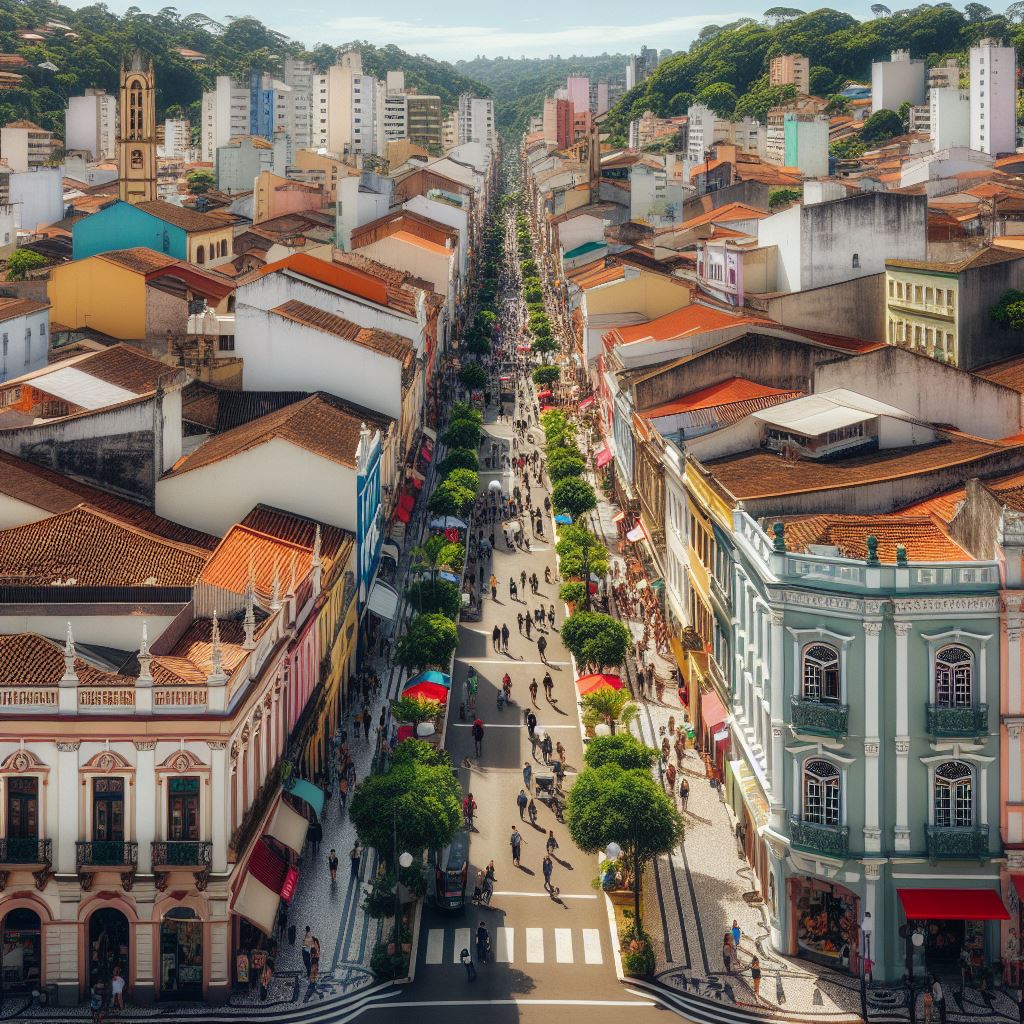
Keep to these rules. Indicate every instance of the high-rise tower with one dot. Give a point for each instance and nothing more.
(136, 136)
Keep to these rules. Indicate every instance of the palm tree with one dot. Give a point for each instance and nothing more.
(428, 554)
(613, 707)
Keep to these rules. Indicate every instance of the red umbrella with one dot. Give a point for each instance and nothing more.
(544, 394)
(546, 408)
(588, 684)
(432, 691)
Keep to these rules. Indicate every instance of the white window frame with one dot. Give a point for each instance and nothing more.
(976, 643)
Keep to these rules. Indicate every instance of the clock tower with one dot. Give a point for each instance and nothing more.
(136, 136)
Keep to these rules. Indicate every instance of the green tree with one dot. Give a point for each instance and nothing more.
(609, 804)
(612, 707)
(415, 709)
(779, 198)
(21, 261)
(453, 556)
(838, 104)
(417, 802)
(461, 434)
(545, 376)
(464, 478)
(622, 749)
(428, 554)
(565, 466)
(429, 596)
(459, 458)
(429, 642)
(881, 126)
(449, 499)
(1008, 312)
(473, 376)
(848, 149)
(762, 97)
(476, 343)
(200, 181)
(574, 497)
(544, 345)
(720, 97)
(596, 640)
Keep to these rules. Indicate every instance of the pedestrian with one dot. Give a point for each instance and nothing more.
(551, 616)
(736, 933)
(494, 586)
(521, 801)
(307, 949)
(533, 691)
(928, 1004)
(266, 975)
(516, 842)
(519, 619)
(117, 989)
(547, 866)
(528, 623)
(478, 737)
(483, 943)
(355, 857)
(546, 748)
(542, 646)
(755, 978)
(467, 962)
(332, 866)
(496, 638)
(343, 794)
(531, 723)
(96, 1002)
(527, 774)
(513, 590)
(549, 686)
(314, 961)
(366, 725)
(670, 778)
(939, 998)
(684, 793)
(560, 751)
(504, 638)
(552, 843)
(727, 952)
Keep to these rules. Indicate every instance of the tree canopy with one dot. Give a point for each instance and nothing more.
(429, 642)
(596, 639)
(622, 749)
(1008, 312)
(573, 496)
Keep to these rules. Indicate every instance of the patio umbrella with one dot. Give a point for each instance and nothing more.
(563, 519)
(447, 523)
(432, 676)
(588, 684)
(546, 393)
(494, 485)
(449, 576)
(432, 691)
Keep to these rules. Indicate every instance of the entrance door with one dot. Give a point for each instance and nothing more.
(21, 950)
(181, 955)
(22, 819)
(108, 820)
(183, 810)
(108, 945)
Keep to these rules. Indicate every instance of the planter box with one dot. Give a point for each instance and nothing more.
(620, 897)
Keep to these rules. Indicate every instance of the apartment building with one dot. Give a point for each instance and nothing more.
(897, 81)
(424, 118)
(993, 70)
(23, 144)
(476, 120)
(91, 125)
(791, 69)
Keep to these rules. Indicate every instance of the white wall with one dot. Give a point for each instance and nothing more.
(281, 355)
(783, 231)
(20, 352)
(38, 196)
(215, 497)
(993, 98)
(950, 117)
(91, 125)
(450, 216)
(894, 82)
(14, 512)
(122, 632)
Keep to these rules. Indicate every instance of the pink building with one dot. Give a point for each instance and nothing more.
(578, 88)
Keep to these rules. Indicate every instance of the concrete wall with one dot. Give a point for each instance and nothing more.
(38, 196)
(927, 389)
(853, 309)
(753, 193)
(979, 339)
(122, 226)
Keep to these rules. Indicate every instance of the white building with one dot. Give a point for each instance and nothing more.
(950, 116)
(23, 144)
(476, 120)
(91, 124)
(225, 115)
(705, 128)
(993, 70)
(806, 142)
(392, 117)
(177, 139)
(578, 88)
(37, 196)
(897, 81)
(24, 335)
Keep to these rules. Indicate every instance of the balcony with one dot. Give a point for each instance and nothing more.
(25, 853)
(92, 855)
(957, 721)
(820, 718)
(188, 854)
(829, 840)
(956, 843)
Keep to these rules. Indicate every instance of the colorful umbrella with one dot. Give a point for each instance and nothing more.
(546, 393)
(431, 676)
(432, 691)
(588, 684)
(563, 519)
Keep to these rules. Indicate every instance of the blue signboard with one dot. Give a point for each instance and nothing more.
(369, 520)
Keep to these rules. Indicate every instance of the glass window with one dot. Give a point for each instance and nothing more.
(822, 786)
(954, 668)
(954, 795)
(821, 673)
(183, 809)
(108, 809)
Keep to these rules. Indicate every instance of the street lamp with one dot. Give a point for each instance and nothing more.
(613, 851)
(403, 860)
(866, 927)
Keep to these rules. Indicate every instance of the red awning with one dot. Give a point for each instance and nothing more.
(586, 403)
(952, 905)
(712, 711)
(546, 393)
(1018, 884)
(267, 866)
(618, 517)
(407, 502)
(403, 515)
(604, 456)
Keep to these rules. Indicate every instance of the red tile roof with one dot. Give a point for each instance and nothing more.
(726, 392)
(384, 342)
(923, 538)
(692, 319)
(11, 308)
(27, 659)
(722, 215)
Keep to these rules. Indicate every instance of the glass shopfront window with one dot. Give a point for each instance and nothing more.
(21, 940)
(181, 955)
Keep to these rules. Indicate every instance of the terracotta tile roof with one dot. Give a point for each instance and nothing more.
(726, 392)
(942, 507)
(141, 260)
(95, 549)
(321, 424)
(423, 243)
(923, 538)
(44, 489)
(1009, 373)
(692, 319)
(986, 257)
(10, 308)
(1008, 490)
(706, 166)
(591, 275)
(126, 367)
(300, 530)
(244, 551)
(384, 342)
(760, 474)
(190, 660)
(27, 659)
(179, 216)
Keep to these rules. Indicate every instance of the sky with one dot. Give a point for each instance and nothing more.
(462, 29)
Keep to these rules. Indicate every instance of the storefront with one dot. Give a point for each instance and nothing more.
(952, 933)
(22, 950)
(713, 732)
(109, 946)
(746, 798)
(824, 923)
(181, 955)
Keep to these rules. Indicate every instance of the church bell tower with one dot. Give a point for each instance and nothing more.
(136, 136)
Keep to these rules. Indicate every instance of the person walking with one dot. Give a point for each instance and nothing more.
(527, 774)
(528, 623)
(513, 590)
(496, 638)
(483, 943)
(684, 793)
(547, 867)
(727, 952)
(546, 748)
(332, 866)
(755, 978)
(531, 723)
(519, 620)
(355, 858)
(542, 646)
(504, 638)
(533, 690)
(467, 962)
(516, 842)
(549, 686)
(478, 737)
(307, 949)
(117, 989)
(939, 999)
(521, 801)
(314, 961)
(266, 976)
(342, 794)
(736, 933)
(494, 587)
(552, 844)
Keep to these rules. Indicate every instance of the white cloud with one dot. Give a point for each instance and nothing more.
(463, 42)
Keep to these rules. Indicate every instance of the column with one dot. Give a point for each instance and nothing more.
(901, 835)
(145, 802)
(1013, 667)
(872, 829)
(218, 804)
(777, 710)
(67, 802)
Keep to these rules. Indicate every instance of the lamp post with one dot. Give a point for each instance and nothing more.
(866, 926)
(402, 860)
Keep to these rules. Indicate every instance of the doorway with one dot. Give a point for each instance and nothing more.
(21, 950)
(109, 934)
(181, 955)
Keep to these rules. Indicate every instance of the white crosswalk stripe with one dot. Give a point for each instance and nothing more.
(559, 945)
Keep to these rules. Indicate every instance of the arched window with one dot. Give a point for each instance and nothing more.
(136, 159)
(224, 248)
(954, 670)
(201, 255)
(954, 795)
(821, 673)
(822, 791)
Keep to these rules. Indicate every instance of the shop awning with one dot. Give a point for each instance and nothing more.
(712, 711)
(546, 393)
(289, 828)
(428, 432)
(417, 478)
(260, 893)
(391, 550)
(304, 790)
(383, 600)
(447, 523)
(586, 403)
(588, 684)
(952, 905)
(431, 676)
(403, 515)
(619, 516)
(638, 533)
(1018, 884)
(431, 691)
(604, 456)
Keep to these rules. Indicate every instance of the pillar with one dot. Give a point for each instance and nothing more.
(778, 715)
(901, 836)
(67, 801)
(219, 783)
(146, 799)
(872, 827)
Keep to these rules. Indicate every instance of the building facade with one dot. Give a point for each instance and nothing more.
(91, 125)
(136, 137)
(993, 70)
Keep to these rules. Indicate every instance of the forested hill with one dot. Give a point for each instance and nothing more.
(519, 84)
(729, 63)
(87, 46)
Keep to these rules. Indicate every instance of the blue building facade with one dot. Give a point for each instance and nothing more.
(124, 226)
(369, 521)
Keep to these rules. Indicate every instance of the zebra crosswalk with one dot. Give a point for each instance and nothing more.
(530, 946)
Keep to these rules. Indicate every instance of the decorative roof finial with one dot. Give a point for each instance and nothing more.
(145, 658)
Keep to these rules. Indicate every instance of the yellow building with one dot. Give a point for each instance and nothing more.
(321, 169)
(136, 137)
